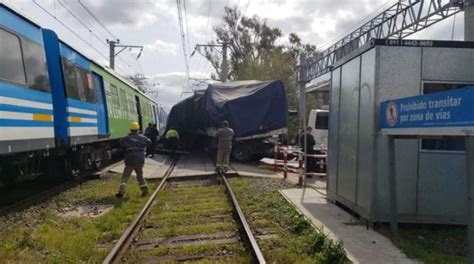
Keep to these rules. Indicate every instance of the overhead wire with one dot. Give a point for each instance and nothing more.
(186, 23)
(243, 13)
(188, 34)
(363, 20)
(68, 28)
(93, 33)
(203, 65)
(121, 58)
(208, 16)
(183, 40)
(97, 20)
(454, 27)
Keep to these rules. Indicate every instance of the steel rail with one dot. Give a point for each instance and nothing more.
(246, 232)
(124, 242)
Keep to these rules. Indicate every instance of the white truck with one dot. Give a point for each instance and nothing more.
(318, 120)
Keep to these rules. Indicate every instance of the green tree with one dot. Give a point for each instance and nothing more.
(256, 53)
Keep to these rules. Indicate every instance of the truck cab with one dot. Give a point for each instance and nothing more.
(318, 120)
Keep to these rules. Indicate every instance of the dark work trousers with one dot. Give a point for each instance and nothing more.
(127, 172)
(151, 149)
(311, 162)
(172, 144)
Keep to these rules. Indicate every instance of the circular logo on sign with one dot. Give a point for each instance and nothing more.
(391, 114)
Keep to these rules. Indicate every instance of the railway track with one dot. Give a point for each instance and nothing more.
(195, 219)
(49, 193)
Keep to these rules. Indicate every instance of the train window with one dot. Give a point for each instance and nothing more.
(69, 73)
(114, 95)
(81, 83)
(35, 65)
(448, 143)
(11, 62)
(123, 100)
(85, 85)
(131, 104)
(147, 109)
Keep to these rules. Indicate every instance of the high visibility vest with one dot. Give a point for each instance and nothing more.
(172, 134)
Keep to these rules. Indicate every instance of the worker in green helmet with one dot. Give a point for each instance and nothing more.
(134, 145)
(172, 137)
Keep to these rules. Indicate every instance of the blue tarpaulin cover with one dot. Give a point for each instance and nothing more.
(251, 107)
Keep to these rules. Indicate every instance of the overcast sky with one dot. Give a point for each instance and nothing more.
(154, 24)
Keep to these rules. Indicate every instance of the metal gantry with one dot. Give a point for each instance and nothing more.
(400, 20)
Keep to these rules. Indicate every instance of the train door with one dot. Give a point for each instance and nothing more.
(101, 105)
(139, 111)
(155, 117)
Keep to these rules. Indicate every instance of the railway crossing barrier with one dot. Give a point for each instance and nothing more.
(302, 171)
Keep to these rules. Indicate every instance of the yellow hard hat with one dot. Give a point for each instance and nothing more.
(134, 126)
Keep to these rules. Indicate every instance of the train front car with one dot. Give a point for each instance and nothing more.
(93, 106)
(80, 108)
(26, 106)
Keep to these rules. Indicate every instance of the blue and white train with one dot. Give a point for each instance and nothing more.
(59, 109)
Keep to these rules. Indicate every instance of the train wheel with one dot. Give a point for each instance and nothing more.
(87, 162)
(241, 153)
(8, 174)
(87, 158)
(71, 171)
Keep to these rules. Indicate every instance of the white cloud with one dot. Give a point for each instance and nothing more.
(172, 84)
(122, 13)
(154, 24)
(163, 47)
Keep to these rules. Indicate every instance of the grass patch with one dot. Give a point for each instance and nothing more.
(298, 241)
(178, 207)
(177, 230)
(202, 213)
(430, 243)
(181, 211)
(234, 253)
(40, 235)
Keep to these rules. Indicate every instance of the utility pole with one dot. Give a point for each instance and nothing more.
(302, 116)
(468, 20)
(115, 43)
(469, 36)
(225, 66)
(302, 91)
(224, 72)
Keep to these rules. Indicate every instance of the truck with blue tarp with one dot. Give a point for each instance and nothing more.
(256, 111)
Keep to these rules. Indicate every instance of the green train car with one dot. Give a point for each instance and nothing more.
(125, 104)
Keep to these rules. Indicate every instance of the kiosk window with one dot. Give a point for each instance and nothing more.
(448, 143)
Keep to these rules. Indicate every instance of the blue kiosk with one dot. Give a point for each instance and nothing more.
(448, 113)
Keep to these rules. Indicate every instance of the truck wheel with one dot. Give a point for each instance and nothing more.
(242, 153)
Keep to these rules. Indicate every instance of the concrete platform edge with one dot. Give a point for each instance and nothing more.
(320, 229)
